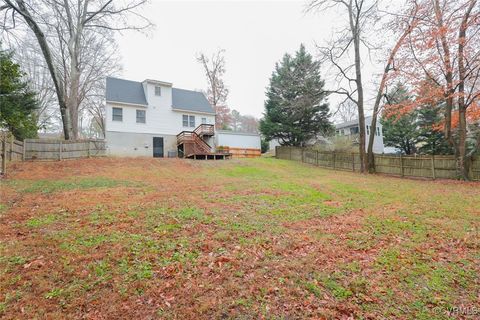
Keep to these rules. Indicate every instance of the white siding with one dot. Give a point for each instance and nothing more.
(378, 146)
(237, 139)
(160, 118)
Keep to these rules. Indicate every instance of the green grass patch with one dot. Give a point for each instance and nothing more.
(51, 186)
(335, 288)
(41, 221)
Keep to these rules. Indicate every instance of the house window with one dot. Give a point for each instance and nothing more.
(368, 130)
(188, 121)
(117, 114)
(204, 120)
(354, 130)
(140, 116)
(158, 90)
(378, 131)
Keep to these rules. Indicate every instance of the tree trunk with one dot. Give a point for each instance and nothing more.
(462, 143)
(23, 11)
(355, 29)
(449, 92)
(376, 107)
(462, 107)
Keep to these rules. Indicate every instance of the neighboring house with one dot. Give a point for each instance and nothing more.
(153, 119)
(144, 118)
(351, 130)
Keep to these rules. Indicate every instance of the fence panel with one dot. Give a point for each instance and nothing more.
(242, 152)
(388, 164)
(476, 168)
(325, 159)
(433, 167)
(445, 167)
(296, 154)
(310, 156)
(43, 149)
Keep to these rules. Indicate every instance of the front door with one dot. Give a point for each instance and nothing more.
(157, 147)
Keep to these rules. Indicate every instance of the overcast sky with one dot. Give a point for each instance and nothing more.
(254, 34)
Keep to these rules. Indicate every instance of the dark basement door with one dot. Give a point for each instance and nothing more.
(157, 147)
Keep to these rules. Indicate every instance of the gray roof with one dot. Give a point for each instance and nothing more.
(368, 119)
(190, 100)
(238, 133)
(126, 91)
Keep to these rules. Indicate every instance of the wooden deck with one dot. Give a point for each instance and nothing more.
(209, 156)
(191, 144)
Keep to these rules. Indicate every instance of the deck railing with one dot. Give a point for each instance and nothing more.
(205, 130)
(191, 137)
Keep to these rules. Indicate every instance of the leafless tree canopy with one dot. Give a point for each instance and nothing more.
(347, 111)
(217, 92)
(76, 39)
(214, 67)
(343, 53)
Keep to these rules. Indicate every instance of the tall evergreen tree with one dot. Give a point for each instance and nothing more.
(430, 136)
(17, 101)
(399, 127)
(296, 110)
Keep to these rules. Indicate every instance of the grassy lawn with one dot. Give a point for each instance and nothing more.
(261, 238)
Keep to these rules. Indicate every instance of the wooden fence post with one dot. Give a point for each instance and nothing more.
(353, 162)
(316, 157)
(88, 142)
(290, 148)
(334, 156)
(433, 166)
(11, 148)
(401, 165)
(60, 150)
(4, 157)
(24, 149)
(276, 152)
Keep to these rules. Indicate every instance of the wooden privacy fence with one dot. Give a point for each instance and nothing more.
(11, 150)
(443, 167)
(44, 149)
(241, 152)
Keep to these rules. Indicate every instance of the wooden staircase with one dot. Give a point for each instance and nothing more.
(192, 144)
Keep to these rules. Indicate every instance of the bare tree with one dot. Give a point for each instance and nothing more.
(347, 111)
(249, 124)
(349, 42)
(64, 31)
(405, 23)
(217, 92)
(38, 77)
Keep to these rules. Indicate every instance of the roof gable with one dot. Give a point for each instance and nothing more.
(190, 101)
(126, 91)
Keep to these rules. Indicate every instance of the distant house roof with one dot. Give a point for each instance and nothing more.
(347, 124)
(190, 101)
(126, 91)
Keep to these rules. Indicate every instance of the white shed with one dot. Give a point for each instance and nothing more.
(235, 139)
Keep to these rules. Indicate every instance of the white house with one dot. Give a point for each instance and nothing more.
(352, 129)
(144, 118)
(153, 119)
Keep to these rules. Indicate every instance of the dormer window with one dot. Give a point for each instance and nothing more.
(158, 90)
